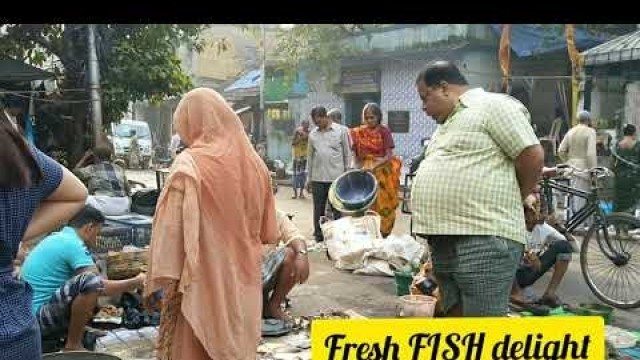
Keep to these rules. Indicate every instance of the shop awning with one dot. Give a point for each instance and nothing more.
(248, 81)
(276, 89)
(530, 40)
(242, 110)
(12, 70)
(622, 48)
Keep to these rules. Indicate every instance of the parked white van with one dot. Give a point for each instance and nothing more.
(121, 138)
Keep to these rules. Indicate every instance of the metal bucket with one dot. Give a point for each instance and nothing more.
(355, 190)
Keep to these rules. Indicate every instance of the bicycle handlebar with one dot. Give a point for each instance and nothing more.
(569, 170)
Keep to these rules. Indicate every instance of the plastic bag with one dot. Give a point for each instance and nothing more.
(394, 252)
(349, 238)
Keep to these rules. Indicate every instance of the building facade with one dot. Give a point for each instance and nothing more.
(389, 77)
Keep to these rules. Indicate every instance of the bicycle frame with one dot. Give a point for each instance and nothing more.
(590, 208)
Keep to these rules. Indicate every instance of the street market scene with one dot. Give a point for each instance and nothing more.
(209, 191)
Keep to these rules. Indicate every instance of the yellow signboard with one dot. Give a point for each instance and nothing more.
(553, 338)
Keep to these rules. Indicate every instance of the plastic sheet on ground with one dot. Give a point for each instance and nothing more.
(129, 344)
(355, 244)
(288, 347)
(621, 338)
(395, 252)
(297, 344)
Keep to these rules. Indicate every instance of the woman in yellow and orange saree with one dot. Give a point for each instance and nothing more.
(373, 145)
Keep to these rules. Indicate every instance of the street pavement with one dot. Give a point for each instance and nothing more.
(373, 296)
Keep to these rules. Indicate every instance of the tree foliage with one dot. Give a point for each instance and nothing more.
(137, 62)
(141, 64)
(318, 46)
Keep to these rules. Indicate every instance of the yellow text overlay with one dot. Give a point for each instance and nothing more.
(554, 338)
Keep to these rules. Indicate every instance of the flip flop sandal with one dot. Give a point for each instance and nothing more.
(553, 302)
(275, 327)
(535, 309)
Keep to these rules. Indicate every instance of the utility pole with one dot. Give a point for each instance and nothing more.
(94, 84)
(262, 80)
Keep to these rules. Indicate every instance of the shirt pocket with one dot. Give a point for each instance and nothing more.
(334, 145)
(335, 150)
(467, 141)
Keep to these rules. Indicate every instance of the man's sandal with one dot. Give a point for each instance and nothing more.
(275, 327)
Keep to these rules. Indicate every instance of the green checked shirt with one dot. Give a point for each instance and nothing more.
(467, 183)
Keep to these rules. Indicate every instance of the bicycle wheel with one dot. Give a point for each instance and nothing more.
(610, 261)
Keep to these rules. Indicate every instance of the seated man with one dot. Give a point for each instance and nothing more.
(66, 282)
(546, 247)
(107, 183)
(283, 266)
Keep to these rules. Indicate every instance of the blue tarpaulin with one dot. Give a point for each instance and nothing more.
(250, 80)
(529, 40)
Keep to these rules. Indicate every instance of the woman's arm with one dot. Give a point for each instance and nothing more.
(383, 160)
(68, 198)
(119, 287)
(388, 148)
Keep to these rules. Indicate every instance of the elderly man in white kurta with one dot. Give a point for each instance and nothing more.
(578, 148)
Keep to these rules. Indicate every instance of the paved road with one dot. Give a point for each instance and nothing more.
(329, 288)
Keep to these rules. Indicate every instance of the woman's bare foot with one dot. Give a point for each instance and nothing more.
(517, 298)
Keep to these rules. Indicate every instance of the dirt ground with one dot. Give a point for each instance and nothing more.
(332, 289)
(373, 296)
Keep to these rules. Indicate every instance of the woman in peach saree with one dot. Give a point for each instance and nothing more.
(215, 212)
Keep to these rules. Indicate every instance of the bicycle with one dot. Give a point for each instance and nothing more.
(612, 236)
